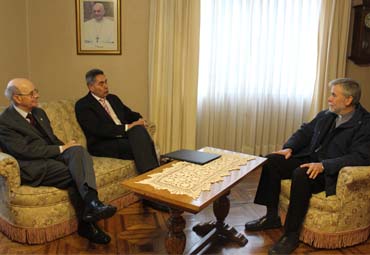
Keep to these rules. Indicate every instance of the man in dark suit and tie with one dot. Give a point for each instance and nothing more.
(44, 160)
(112, 129)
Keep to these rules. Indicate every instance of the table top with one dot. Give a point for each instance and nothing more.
(184, 202)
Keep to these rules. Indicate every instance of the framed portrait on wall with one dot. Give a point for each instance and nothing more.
(98, 25)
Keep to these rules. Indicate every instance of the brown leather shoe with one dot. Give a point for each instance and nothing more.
(263, 223)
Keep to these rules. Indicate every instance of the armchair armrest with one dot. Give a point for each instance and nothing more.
(352, 179)
(151, 127)
(9, 169)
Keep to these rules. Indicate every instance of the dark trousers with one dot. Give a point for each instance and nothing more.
(72, 170)
(140, 147)
(74, 167)
(278, 168)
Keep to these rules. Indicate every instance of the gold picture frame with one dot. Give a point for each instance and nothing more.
(98, 26)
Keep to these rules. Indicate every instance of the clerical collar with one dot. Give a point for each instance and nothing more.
(20, 111)
(343, 118)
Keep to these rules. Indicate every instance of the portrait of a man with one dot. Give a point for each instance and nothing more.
(98, 25)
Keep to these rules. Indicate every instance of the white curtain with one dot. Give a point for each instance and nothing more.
(173, 71)
(332, 54)
(257, 71)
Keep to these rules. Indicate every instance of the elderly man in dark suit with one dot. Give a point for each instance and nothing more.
(44, 160)
(312, 158)
(112, 129)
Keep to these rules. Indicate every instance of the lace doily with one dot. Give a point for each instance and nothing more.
(190, 179)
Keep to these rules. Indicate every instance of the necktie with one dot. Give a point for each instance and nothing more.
(105, 106)
(31, 119)
(36, 125)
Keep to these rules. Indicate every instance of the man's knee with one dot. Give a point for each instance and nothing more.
(299, 174)
(137, 129)
(138, 132)
(77, 151)
(270, 168)
(275, 157)
(274, 160)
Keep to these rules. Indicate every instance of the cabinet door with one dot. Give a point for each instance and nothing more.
(360, 50)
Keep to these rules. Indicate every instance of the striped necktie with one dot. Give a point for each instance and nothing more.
(105, 106)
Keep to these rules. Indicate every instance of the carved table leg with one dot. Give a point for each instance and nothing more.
(176, 239)
(221, 208)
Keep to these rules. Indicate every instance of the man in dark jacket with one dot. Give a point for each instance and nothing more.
(44, 160)
(312, 158)
(111, 128)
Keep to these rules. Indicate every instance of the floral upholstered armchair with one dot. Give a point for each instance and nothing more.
(340, 220)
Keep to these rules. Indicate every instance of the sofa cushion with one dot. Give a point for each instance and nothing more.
(27, 196)
(107, 171)
(63, 120)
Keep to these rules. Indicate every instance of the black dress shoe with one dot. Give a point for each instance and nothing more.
(286, 245)
(96, 210)
(263, 223)
(93, 233)
(156, 206)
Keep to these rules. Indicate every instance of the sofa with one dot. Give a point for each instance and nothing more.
(36, 215)
(336, 221)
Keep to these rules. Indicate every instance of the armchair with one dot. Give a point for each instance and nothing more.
(340, 220)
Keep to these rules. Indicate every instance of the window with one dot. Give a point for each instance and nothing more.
(256, 72)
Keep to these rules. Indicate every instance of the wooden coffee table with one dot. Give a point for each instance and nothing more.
(176, 239)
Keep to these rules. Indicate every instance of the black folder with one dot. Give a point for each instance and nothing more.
(197, 157)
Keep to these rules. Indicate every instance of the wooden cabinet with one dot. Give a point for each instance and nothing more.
(360, 50)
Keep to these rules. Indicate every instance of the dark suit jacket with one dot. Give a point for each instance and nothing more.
(102, 134)
(347, 145)
(24, 142)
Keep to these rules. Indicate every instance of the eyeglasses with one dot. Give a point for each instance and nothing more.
(33, 93)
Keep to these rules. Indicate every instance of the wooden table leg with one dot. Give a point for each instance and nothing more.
(221, 208)
(176, 239)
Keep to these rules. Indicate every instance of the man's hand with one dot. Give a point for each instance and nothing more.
(69, 145)
(314, 169)
(139, 122)
(287, 153)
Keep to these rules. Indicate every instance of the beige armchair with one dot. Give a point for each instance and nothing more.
(340, 220)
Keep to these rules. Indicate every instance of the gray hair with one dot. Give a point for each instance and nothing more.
(351, 88)
(90, 76)
(11, 90)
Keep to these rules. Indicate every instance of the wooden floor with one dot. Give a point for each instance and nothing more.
(137, 230)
